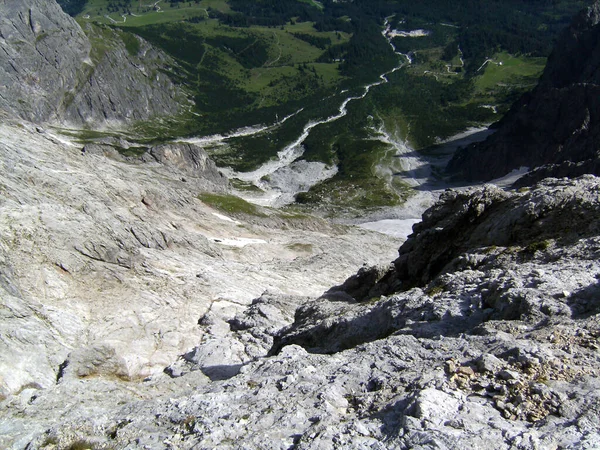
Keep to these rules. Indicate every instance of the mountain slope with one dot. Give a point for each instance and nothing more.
(119, 256)
(558, 124)
(50, 72)
(143, 307)
(499, 350)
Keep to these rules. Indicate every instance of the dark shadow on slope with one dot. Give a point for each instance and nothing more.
(323, 327)
(366, 284)
(222, 372)
(585, 302)
(392, 417)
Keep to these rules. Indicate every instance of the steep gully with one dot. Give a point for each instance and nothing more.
(282, 178)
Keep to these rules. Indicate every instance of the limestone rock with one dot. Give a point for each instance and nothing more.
(497, 348)
(107, 265)
(187, 158)
(489, 363)
(488, 217)
(120, 88)
(96, 360)
(133, 315)
(49, 73)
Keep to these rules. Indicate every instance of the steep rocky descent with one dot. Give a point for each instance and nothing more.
(499, 350)
(557, 125)
(107, 263)
(50, 72)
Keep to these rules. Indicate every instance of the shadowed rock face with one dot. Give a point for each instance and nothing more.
(49, 73)
(557, 125)
(477, 218)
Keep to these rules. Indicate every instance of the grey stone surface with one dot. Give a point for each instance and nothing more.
(51, 73)
(187, 158)
(497, 350)
(554, 210)
(107, 266)
(478, 255)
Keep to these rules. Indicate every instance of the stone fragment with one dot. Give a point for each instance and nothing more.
(489, 363)
(509, 375)
(466, 370)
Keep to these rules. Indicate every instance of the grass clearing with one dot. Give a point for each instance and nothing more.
(246, 186)
(97, 11)
(301, 248)
(314, 3)
(508, 69)
(230, 204)
(337, 37)
(242, 75)
(338, 193)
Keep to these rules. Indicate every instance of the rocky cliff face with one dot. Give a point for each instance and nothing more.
(477, 232)
(556, 126)
(50, 72)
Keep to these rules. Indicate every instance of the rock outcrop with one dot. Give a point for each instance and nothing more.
(556, 126)
(189, 159)
(52, 72)
(498, 348)
(476, 238)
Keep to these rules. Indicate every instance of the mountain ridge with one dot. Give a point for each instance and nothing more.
(52, 74)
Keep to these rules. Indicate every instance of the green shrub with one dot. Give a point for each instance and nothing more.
(434, 291)
(537, 246)
(132, 44)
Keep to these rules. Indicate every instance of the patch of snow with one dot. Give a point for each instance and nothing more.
(61, 140)
(225, 218)
(492, 107)
(399, 228)
(463, 134)
(238, 242)
(510, 178)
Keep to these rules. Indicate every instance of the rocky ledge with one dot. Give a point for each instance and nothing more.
(488, 337)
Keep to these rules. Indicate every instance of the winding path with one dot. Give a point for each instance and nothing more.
(270, 63)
